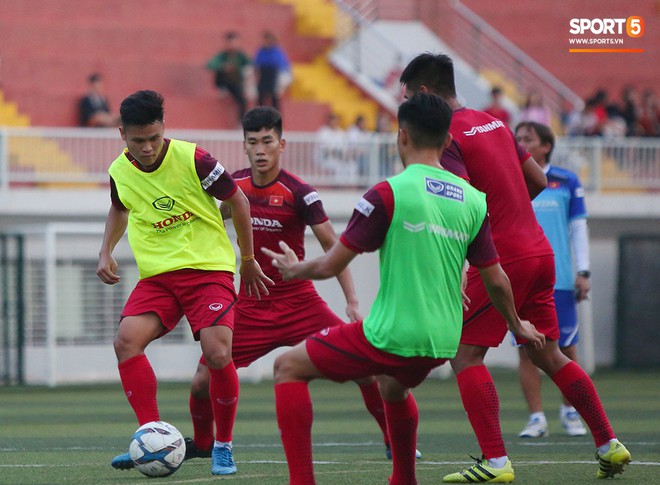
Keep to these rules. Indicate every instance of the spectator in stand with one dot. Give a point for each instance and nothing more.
(359, 140)
(535, 110)
(614, 125)
(496, 108)
(273, 71)
(230, 66)
(94, 108)
(586, 123)
(388, 155)
(649, 120)
(332, 149)
(631, 109)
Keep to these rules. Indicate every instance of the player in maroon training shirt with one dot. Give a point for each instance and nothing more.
(281, 206)
(495, 164)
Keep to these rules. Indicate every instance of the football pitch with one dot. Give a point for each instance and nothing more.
(69, 434)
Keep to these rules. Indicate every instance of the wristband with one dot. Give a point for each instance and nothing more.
(584, 274)
(249, 257)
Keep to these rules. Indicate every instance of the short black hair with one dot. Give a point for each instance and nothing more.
(435, 71)
(544, 133)
(141, 109)
(427, 117)
(262, 117)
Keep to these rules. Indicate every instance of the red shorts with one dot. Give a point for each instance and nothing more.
(264, 325)
(343, 353)
(206, 298)
(532, 282)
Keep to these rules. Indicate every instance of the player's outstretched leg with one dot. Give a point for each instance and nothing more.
(224, 390)
(139, 383)
(578, 388)
(482, 405)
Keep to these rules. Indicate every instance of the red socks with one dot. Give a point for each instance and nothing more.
(375, 406)
(576, 385)
(201, 412)
(483, 409)
(140, 386)
(223, 391)
(402, 419)
(293, 405)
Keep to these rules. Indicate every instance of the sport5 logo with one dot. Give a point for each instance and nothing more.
(632, 26)
(164, 203)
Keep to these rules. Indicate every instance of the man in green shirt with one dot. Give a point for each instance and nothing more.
(229, 67)
(425, 222)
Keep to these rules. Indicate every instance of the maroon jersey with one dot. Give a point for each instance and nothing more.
(493, 161)
(280, 211)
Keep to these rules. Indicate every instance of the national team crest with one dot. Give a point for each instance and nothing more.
(553, 185)
(276, 200)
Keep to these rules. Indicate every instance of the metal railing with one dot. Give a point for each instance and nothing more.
(53, 157)
(483, 47)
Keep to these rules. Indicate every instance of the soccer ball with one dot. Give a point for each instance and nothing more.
(157, 449)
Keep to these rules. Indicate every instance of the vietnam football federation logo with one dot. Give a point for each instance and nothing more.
(164, 203)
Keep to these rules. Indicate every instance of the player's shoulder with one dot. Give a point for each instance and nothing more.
(562, 174)
(291, 179)
(297, 186)
(242, 176)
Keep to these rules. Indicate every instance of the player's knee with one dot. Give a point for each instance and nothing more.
(126, 348)
(284, 369)
(218, 358)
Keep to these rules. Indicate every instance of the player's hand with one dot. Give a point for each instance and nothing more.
(254, 279)
(527, 331)
(353, 312)
(582, 287)
(285, 261)
(106, 269)
(466, 299)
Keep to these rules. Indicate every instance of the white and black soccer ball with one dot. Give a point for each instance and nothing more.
(157, 449)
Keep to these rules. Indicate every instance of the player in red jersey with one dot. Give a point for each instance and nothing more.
(281, 206)
(496, 164)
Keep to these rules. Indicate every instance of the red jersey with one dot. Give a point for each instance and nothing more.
(280, 211)
(493, 160)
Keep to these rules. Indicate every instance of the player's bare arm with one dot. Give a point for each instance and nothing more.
(252, 276)
(330, 264)
(499, 290)
(534, 177)
(326, 236)
(115, 226)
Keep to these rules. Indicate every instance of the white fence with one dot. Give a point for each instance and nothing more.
(51, 157)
